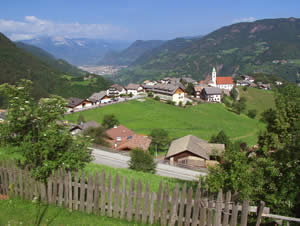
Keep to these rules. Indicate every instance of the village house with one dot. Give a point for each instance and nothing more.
(264, 86)
(168, 92)
(134, 89)
(190, 80)
(194, 152)
(2, 115)
(278, 83)
(247, 78)
(116, 90)
(243, 83)
(77, 104)
(211, 94)
(198, 89)
(149, 83)
(221, 82)
(100, 98)
(76, 129)
(124, 139)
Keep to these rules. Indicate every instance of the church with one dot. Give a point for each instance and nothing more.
(221, 82)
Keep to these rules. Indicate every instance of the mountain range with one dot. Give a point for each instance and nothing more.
(270, 46)
(77, 51)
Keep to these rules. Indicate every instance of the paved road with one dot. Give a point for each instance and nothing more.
(121, 161)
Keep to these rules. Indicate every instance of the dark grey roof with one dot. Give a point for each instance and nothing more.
(166, 88)
(194, 145)
(188, 80)
(73, 102)
(132, 86)
(212, 91)
(117, 86)
(98, 96)
(89, 124)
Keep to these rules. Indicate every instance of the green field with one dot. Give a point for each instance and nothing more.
(19, 212)
(258, 99)
(203, 120)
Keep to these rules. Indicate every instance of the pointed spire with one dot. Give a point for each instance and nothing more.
(214, 69)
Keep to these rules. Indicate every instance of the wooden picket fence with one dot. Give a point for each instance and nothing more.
(94, 195)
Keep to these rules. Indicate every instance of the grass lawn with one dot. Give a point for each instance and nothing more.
(19, 212)
(258, 99)
(203, 120)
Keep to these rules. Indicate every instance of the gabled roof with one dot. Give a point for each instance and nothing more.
(199, 88)
(85, 126)
(135, 141)
(224, 80)
(73, 102)
(119, 131)
(212, 91)
(117, 86)
(166, 88)
(194, 145)
(132, 86)
(188, 80)
(98, 96)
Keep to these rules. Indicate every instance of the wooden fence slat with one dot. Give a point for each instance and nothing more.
(204, 205)
(15, 179)
(49, 189)
(76, 196)
(260, 212)
(103, 193)
(226, 209)
(234, 215)
(146, 204)
(21, 191)
(165, 206)
(96, 194)
(2, 170)
(138, 201)
(123, 202)
(10, 181)
(82, 191)
(245, 209)
(43, 192)
(117, 196)
(151, 214)
(37, 189)
(2, 178)
(70, 190)
(61, 187)
(26, 184)
(55, 184)
(174, 206)
(218, 212)
(66, 189)
(182, 205)
(210, 212)
(31, 187)
(196, 207)
(188, 212)
(6, 179)
(130, 200)
(158, 203)
(89, 198)
(109, 201)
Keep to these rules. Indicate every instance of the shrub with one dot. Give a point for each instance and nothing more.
(180, 104)
(109, 121)
(130, 95)
(141, 161)
(169, 102)
(81, 119)
(98, 135)
(150, 94)
(188, 103)
(252, 113)
(157, 98)
(245, 88)
(234, 94)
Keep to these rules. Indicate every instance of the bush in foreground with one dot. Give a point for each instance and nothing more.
(142, 161)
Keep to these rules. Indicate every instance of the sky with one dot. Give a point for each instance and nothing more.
(133, 19)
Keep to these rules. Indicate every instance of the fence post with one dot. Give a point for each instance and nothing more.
(66, 190)
(245, 209)
(96, 198)
(103, 193)
(26, 184)
(234, 215)
(158, 202)
(196, 206)
(123, 202)
(146, 204)
(188, 210)
(174, 206)
(76, 191)
(89, 196)
(182, 205)
(109, 202)
(82, 191)
(138, 201)
(210, 211)
(226, 209)
(60, 187)
(117, 196)
(49, 189)
(218, 207)
(165, 206)
(70, 190)
(21, 193)
(151, 214)
(203, 210)
(55, 180)
(260, 212)
(130, 200)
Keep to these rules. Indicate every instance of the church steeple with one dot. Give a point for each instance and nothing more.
(214, 76)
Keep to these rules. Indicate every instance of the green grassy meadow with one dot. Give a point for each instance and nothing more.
(203, 120)
(258, 99)
(19, 212)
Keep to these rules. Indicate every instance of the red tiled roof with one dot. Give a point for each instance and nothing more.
(120, 131)
(136, 141)
(224, 80)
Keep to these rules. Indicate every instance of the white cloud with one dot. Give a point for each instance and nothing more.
(246, 19)
(33, 27)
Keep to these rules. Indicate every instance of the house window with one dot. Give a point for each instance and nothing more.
(119, 138)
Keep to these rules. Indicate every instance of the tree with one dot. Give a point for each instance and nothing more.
(157, 98)
(160, 139)
(130, 95)
(45, 144)
(190, 89)
(234, 94)
(188, 103)
(220, 138)
(245, 88)
(252, 113)
(141, 161)
(150, 94)
(98, 135)
(109, 121)
(240, 106)
(81, 119)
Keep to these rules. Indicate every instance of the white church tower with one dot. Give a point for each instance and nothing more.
(214, 77)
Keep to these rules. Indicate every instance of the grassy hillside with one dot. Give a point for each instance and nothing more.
(258, 99)
(202, 120)
(269, 46)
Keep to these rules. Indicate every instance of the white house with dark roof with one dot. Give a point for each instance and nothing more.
(116, 90)
(76, 104)
(211, 94)
(100, 98)
(168, 92)
(134, 89)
